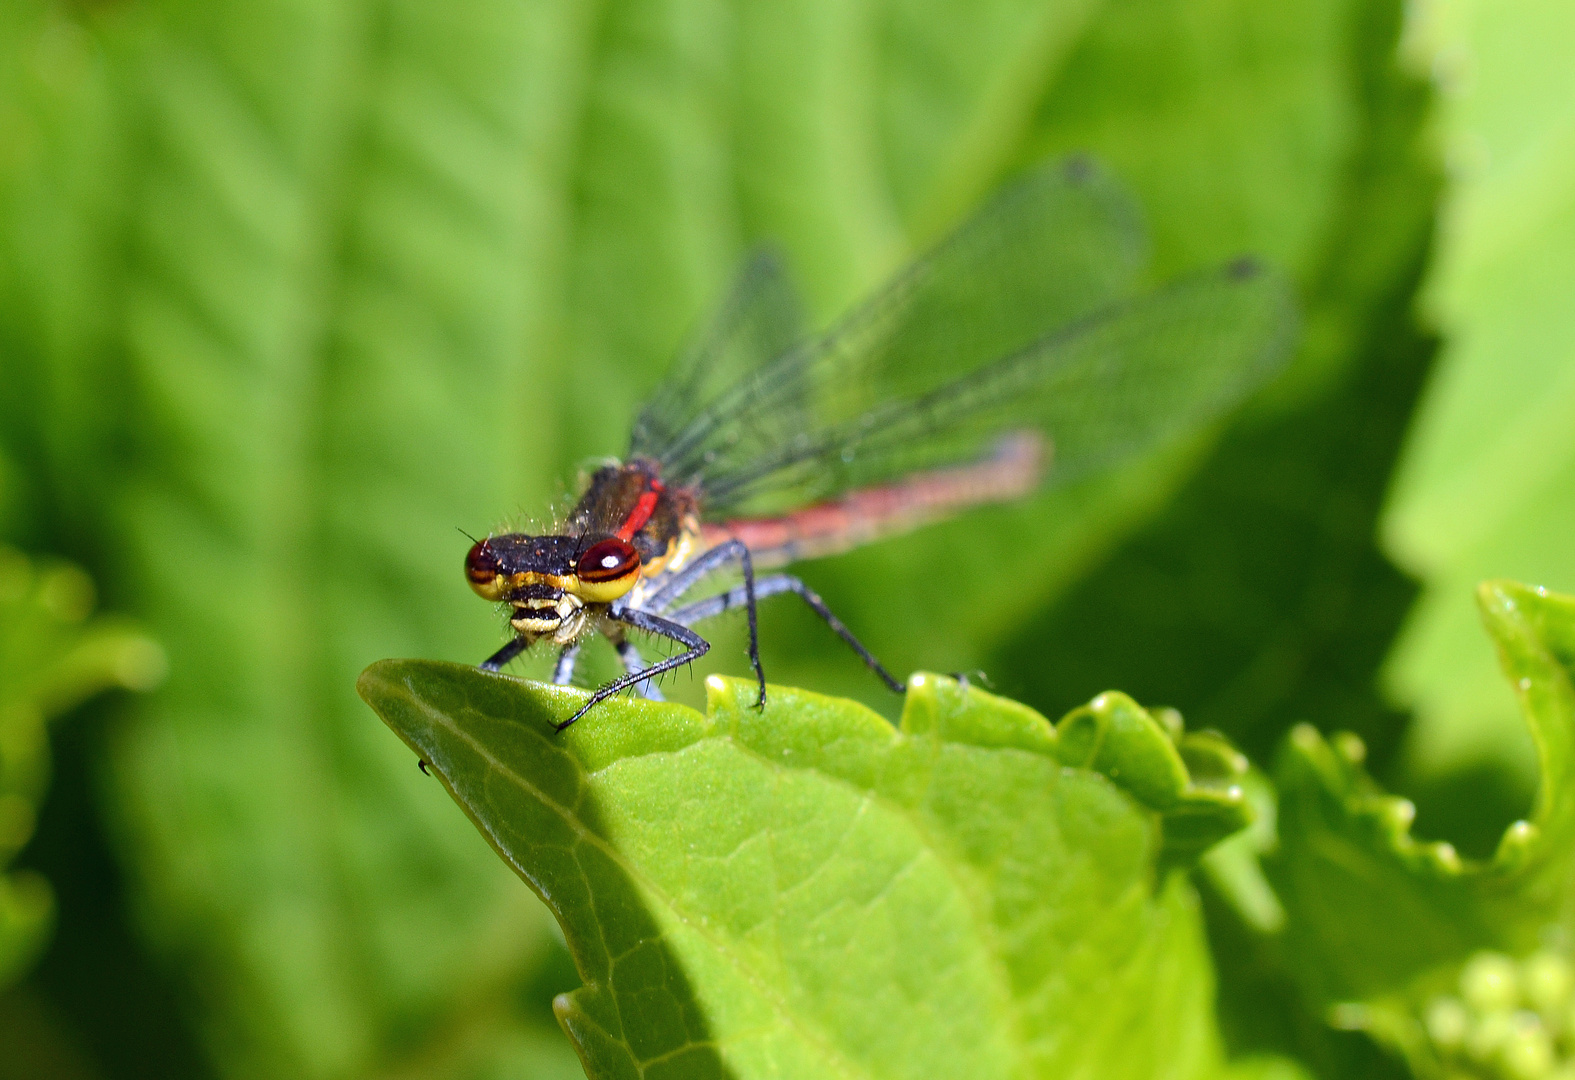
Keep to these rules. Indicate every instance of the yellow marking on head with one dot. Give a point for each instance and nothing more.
(502, 584)
(491, 589)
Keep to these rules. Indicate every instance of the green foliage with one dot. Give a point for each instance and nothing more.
(1495, 1018)
(293, 289)
(802, 891)
(1241, 128)
(51, 658)
(289, 289)
(1373, 913)
(1260, 598)
(1260, 595)
(1487, 488)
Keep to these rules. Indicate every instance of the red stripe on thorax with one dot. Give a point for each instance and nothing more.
(644, 507)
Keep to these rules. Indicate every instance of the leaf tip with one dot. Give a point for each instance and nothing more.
(1516, 846)
(1116, 736)
(371, 677)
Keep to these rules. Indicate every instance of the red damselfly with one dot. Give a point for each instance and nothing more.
(1019, 351)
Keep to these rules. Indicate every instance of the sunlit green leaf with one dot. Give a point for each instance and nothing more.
(803, 891)
(1487, 488)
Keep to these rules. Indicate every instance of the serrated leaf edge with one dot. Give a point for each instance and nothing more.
(1336, 764)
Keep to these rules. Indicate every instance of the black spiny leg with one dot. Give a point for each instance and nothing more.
(696, 645)
(707, 564)
(634, 664)
(496, 661)
(772, 586)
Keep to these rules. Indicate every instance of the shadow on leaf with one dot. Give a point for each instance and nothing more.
(490, 741)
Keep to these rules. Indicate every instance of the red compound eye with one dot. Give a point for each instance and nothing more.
(485, 572)
(607, 560)
(481, 565)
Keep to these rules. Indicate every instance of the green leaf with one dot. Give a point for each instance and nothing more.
(1285, 131)
(62, 204)
(1237, 125)
(1192, 778)
(10, 483)
(803, 891)
(1270, 546)
(960, 90)
(1233, 865)
(382, 273)
(1266, 1067)
(51, 658)
(1370, 907)
(338, 260)
(1487, 487)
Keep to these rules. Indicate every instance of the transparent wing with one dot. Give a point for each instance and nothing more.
(1103, 389)
(759, 320)
(1059, 243)
(1024, 316)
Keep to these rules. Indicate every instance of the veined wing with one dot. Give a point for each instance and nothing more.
(1106, 388)
(1022, 318)
(1061, 242)
(759, 320)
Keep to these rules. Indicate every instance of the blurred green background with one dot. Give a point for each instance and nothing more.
(291, 290)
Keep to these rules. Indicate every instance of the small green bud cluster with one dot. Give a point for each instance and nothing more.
(1512, 1020)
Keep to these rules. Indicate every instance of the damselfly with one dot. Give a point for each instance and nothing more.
(1017, 352)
